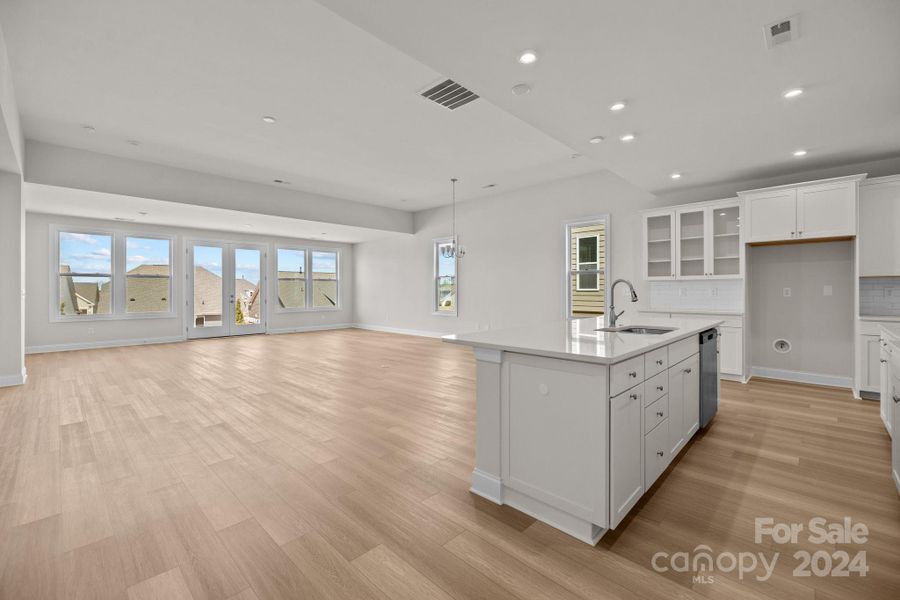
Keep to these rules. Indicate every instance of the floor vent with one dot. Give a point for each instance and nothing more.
(450, 94)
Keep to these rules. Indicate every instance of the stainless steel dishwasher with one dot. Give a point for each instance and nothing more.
(709, 375)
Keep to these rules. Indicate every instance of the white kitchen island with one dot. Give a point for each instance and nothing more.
(575, 424)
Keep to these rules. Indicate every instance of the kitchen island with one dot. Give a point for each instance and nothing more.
(576, 421)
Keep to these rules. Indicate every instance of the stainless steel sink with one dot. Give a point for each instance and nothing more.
(638, 329)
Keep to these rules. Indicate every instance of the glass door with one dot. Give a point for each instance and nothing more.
(726, 241)
(659, 249)
(692, 243)
(226, 289)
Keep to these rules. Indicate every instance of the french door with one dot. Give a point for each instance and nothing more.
(226, 289)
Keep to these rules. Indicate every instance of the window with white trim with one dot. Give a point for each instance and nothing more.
(444, 283)
(148, 275)
(586, 260)
(85, 272)
(308, 279)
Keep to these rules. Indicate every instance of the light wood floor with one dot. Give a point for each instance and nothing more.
(336, 465)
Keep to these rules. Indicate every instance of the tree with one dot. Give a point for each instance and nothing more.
(238, 313)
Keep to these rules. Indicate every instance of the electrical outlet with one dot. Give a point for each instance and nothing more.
(90, 331)
(787, 292)
(827, 291)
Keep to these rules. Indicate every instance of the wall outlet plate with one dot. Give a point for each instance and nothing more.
(827, 291)
(787, 292)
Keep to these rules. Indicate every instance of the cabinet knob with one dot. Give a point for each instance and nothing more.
(687, 370)
(659, 413)
(633, 374)
(659, 388)
(633, 396)
(792, 234)
(659, 362)
(659, 453)
(882, 360)
(896, 398)
(799, 234)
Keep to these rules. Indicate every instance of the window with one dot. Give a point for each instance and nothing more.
(84, 270)
(308, 279)
(586, 259)
(445, 284)
(148, 277)
(110, 275)
(291, 278)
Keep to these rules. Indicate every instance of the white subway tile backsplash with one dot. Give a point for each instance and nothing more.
(879, 296)
(719, 295)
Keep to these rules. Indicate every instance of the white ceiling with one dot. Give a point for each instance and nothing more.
(703, 91)
(99, 205)
(190, 81)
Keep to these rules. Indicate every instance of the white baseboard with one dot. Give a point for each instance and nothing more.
(325, 327)
(383, 329)
(102, 344)
(802, 377)
(487, 486)
(11, 380)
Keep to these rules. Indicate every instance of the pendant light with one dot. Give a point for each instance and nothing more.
(453, 249)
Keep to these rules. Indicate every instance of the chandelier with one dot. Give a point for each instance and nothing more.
(453, 249)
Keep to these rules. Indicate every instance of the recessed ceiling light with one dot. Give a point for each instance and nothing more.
(268, 119)
(617, 106)
(799, 153)
(282, 181)
(89, 128)
(488, 186)
(675, 175)
(627, 137)
(528, 57)
(521, 89)
(793, 93)
(596, 139)
(143, 213)
(324, 233)
(134, 142)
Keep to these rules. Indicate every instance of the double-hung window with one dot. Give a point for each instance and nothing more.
(586, 260)
(445, 283)
(308, 279)
(110, 275)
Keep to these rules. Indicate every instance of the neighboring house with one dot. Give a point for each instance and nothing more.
(146, 290)
(292, 290)
(588, 251)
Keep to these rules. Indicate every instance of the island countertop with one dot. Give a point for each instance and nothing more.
(579, 339)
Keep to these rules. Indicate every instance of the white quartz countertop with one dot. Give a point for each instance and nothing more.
(578, 339)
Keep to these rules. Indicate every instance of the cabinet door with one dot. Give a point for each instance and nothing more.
(676, 410)
(887, 403)
(690, 227)
(656, 453)
(772, 216)
(895, 421)
(626, 483)
(691, 396)
(827, 210)
(731, 350)
(879, 222)
(870, 346)
(659, 245)
(725, 255)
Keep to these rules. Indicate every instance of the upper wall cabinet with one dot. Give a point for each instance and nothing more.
(879, 227)
(806, 211)
(696, 241)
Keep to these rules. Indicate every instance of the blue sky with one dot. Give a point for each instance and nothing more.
(246, 264)
(290, 260)
(146, 251)
(209, 258)
(445, 265)
(324, 262)
(86, 253)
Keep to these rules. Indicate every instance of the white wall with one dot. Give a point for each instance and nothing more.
(819, 327)
(69, 167)
(12, 215)
(42, 335)
(514, 270)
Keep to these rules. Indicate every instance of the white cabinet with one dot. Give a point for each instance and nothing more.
(684, 403)
(813, 210)
(731, 350)
(696, 241)
(659, 245)
(626, 480)
(886, 402)
(870, 367)
(879, 227)
(656, 453)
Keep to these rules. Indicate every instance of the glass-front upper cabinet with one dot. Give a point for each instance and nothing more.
(659, 245)
(726, 241)
(691, 228)
(700, 241)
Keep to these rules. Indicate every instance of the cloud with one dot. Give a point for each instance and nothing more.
(81, 237)
(137, 258)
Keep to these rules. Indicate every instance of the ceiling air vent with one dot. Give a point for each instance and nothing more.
(782, 31)
(450, 94)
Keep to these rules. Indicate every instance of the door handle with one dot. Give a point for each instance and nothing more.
(659, 388)
(659, 413)
(687, 370)
(633, 374)
(882, 360)
(633, 396)
(896, 398)
(659, 452)
(659, 362)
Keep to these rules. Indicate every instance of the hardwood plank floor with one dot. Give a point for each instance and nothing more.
(335, 464)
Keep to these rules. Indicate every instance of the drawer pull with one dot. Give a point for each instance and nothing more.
(632, 374)
(659, 453)
(659, 362)
(659, 413)
(659, 388)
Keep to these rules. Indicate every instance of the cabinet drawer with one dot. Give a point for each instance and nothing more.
(656, 413)
(682, 349)
(656, 361)
(626, 374)
(656, 457)
(656, 387)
